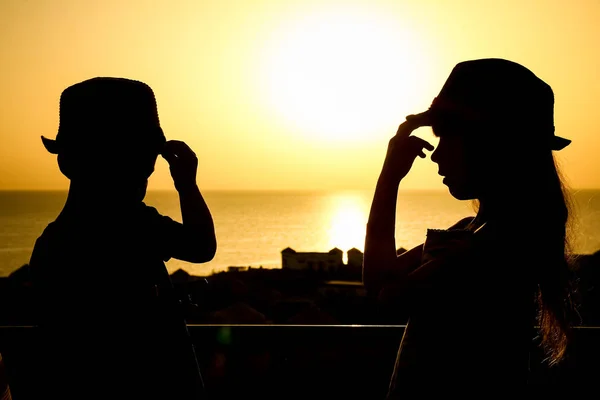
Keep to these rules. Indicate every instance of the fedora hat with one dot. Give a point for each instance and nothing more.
(104, 112)
(500, 92)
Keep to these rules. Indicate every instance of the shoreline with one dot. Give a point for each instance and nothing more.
(265, 266)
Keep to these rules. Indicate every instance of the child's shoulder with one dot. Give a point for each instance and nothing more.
(148, 211)
(46, 241)
(51, 230)
(151, 214)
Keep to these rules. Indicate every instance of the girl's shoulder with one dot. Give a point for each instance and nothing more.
(463, 223)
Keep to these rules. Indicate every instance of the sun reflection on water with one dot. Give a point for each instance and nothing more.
(347, 223)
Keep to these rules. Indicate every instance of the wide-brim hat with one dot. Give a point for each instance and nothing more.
(104, 112)
(499, 92)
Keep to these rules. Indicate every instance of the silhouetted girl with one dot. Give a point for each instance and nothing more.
(473, 291)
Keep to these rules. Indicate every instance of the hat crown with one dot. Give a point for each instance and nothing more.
(500, 92)
(117, 109)
(496, 86)
(107, 101)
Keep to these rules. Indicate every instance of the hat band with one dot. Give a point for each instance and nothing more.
(441, 106)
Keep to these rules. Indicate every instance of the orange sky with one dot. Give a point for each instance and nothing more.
(287, 94)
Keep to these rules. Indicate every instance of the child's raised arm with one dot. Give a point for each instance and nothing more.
(197, 242)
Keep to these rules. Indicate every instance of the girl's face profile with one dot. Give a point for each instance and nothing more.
(456, 161)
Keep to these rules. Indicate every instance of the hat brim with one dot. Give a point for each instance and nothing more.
(427, 118)
(422, 119)
(50, 145)
(559, 143)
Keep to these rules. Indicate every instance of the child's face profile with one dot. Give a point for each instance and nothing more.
(124, 170)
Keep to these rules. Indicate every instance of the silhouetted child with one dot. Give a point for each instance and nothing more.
(111, 325)
(472, 292)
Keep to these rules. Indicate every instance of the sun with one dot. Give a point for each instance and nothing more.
(347, 222)
(343, 75)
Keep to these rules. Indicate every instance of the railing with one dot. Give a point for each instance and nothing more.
(312, 361)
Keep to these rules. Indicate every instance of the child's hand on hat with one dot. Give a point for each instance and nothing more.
(403, 149)
(183, 163)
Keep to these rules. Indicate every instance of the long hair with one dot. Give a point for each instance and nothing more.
(532, 175)
(556, 297)
(514, 166)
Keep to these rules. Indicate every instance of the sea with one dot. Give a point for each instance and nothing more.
(253, 227)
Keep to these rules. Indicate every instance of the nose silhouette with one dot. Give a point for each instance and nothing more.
(436, 154)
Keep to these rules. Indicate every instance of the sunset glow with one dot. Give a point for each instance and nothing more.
(286, 94)
(328, 68)
(348, 219)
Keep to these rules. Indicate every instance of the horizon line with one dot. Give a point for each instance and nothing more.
(277, 190)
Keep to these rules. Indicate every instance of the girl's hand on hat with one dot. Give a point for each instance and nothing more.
(402, 151)
(183, 163)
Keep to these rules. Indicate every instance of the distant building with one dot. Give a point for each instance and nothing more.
(235, 268)
(326, 262)
(355, 258)
(180, 276)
